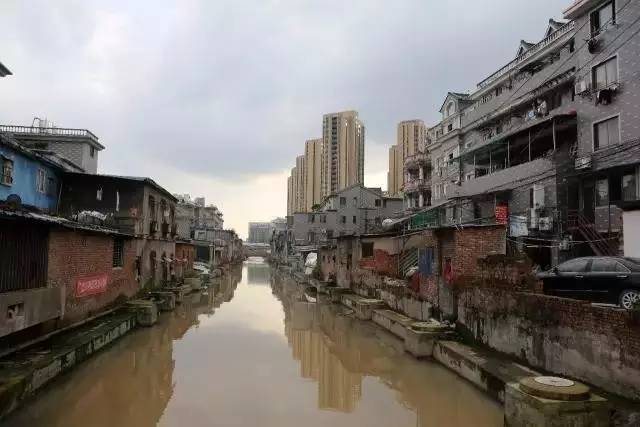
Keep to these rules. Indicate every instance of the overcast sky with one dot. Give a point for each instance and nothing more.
(216, 98)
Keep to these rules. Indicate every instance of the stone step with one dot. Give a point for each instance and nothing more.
(489, 371)
(363, 307)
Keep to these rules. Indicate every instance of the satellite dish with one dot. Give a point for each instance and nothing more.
(14, 201)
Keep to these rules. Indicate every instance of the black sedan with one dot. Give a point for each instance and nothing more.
(614, 280)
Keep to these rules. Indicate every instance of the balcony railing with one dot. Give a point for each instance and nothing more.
(35, 130)
(417, 185)
(565, 29)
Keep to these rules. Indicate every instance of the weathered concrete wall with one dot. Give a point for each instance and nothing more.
(74, 256)
(599, 345)
(185, 255)
(38, 305)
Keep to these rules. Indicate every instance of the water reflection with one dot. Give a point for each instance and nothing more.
(243, 355)
(258, 272)
(340, 352)
(131, 382)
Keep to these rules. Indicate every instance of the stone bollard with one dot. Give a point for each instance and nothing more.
(421, 337)
(146, 311)
(553, 402)
(166, 300)
(363, 307)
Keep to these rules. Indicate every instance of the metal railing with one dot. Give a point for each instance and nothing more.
(417, 184)
(565, 29)
(36, 130)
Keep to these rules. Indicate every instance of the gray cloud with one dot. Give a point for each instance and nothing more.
(229, 89)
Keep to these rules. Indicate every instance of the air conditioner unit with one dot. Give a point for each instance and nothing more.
(545, 223)
(533, 218)
(583, 162)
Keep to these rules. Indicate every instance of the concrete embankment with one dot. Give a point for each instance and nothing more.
(550, 401)
(25, 372)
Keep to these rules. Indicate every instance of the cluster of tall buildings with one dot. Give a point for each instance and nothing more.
(328, 164)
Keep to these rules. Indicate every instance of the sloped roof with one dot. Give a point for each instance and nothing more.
(4, 71)
(523, 47)
(455, 95)
(142, 179)
(553, 26)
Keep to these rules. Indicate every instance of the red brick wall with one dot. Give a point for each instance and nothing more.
(381, 262)
(603, 343)
(464, 247)
(473, 243)
(76, 255)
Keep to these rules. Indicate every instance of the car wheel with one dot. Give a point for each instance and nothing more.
(628, 298)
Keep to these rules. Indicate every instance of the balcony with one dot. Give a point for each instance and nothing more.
(414, 162)
(533, 51)
(416, 185)
(153, 227)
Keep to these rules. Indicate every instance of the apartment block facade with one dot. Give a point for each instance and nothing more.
(411, 139)
(354, 210)
(313, 173)
(548, 144)
(343, 137)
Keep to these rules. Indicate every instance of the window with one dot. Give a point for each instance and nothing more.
(602, 192)
(499, 91)
(329, 234)
(378, 202)
(355, 220)
(606, 73)
(602, 17)
(603, 264)
(323, 219)
(449, 127)
(450, 108)
(343, 201)
(629, 187)
(343, 219)
(92, 151)
(311, 237)
(7, 171)
(311, 218)
(367, 249)
(41, 181)
(574, 265)
(51, 186)
(384, 203)
(606, 133)
(99, 194)
(118, 253)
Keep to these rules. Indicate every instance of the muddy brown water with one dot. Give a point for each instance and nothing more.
(257, 353)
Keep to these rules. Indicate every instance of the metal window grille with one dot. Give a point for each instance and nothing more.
(118, 253)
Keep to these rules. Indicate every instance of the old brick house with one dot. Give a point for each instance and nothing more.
(55, 272)
(134, 205)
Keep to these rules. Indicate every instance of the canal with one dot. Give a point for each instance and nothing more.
(257, 353)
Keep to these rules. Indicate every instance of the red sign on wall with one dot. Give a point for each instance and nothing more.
(92, 285)
(502, 214)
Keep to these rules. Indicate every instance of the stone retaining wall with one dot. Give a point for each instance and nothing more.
(598, 345)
